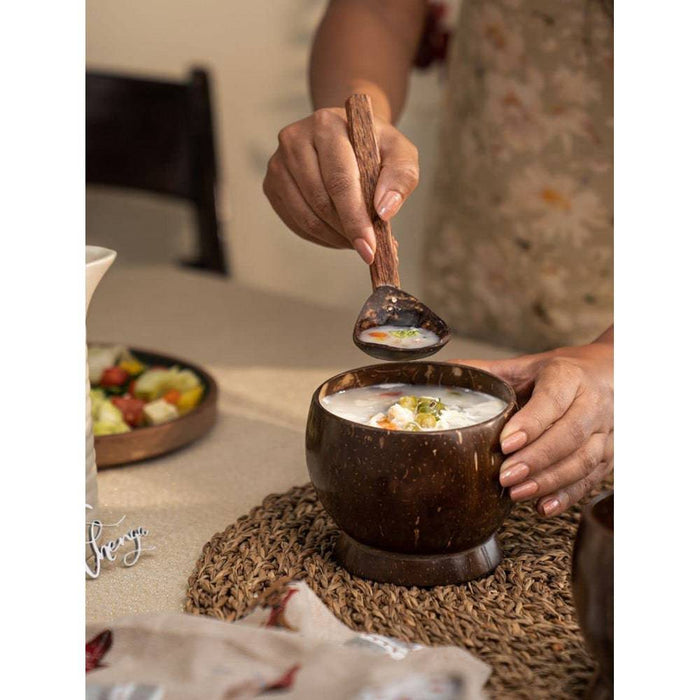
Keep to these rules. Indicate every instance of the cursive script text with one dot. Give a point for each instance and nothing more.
(107, 550)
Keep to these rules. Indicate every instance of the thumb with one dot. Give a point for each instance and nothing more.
(399, 174)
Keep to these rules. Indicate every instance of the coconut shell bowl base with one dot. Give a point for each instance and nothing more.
(417, 569)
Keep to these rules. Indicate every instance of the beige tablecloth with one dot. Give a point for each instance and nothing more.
(268, 354)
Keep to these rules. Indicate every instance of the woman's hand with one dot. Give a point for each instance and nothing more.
(313, 182)
(560, 444)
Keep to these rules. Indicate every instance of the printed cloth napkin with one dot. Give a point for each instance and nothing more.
(290, 647)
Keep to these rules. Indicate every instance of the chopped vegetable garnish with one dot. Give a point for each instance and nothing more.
(132, 394)
(159, 411)
(407, 333)
(131, 409)
(408, 402)
(412, 413)
(387, 424)
(100, 357)
(114, 376)
(172, 396)
(107, 428)
(108, 419)
(426, 420)
(189, 399)
(154, 383)
(426, 404)
(133, 367)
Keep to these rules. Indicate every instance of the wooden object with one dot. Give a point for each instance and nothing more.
(594, 592)
(157, 136)
(385, 268)
(415, 509)
(151, 441)
(392, 306)
(388, 304)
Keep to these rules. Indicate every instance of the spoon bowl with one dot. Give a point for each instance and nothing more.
(388, 304)
(391, 306)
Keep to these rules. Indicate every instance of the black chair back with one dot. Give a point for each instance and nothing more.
(157, 136)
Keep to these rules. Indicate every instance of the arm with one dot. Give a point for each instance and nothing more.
(312, 179)
(366, 46)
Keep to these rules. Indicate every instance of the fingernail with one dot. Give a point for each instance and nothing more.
(389, 204)
(514, 475)
(550, 505)
(364, 250)
(513, 442)
(522, 491)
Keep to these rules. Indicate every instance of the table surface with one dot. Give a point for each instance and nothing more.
(268, 354)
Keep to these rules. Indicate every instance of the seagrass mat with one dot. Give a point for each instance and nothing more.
(520, 619)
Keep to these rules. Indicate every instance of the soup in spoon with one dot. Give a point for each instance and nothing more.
(406, 337)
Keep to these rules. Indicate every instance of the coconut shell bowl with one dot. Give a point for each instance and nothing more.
(413, 508)
(592, 577)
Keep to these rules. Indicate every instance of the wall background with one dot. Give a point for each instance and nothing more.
(257, 54)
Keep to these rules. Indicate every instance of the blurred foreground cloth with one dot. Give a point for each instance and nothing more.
(289, 646)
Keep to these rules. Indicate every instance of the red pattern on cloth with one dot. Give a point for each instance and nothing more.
(285, 681)
(96, 648)
(276, 618)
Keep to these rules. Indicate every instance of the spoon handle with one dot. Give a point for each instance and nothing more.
(385, 268)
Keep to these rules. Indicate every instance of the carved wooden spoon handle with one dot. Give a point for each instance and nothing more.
(385, 268)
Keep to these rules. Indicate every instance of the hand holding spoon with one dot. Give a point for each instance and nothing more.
(388, 305)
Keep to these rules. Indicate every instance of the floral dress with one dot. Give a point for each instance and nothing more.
(519, 246)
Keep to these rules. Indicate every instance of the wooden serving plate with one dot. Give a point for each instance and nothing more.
(150, 441)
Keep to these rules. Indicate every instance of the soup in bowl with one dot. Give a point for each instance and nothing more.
(405, 458)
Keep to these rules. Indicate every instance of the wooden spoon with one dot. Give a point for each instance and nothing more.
(388, 304)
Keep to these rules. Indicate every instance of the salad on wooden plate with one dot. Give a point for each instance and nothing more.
(127, 393)
(135, 392)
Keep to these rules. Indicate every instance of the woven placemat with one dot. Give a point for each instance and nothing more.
(520, 619)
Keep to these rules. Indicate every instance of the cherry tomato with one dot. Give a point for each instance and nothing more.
(114, 376)
(172, 396)
(131, 409)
